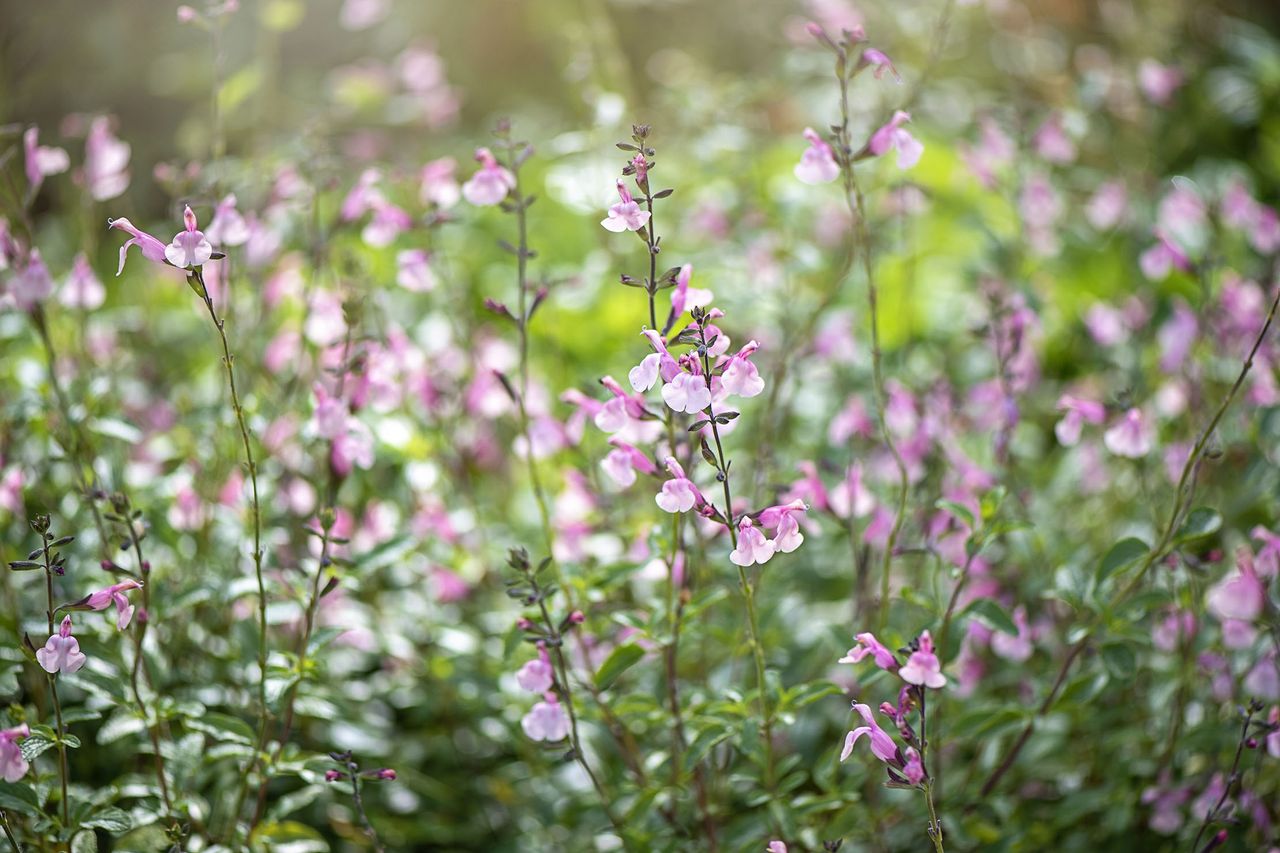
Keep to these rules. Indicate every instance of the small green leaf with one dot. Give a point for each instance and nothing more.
(85, 842)
(960, 511)
(1201, 522)
(1122, 555)
(990, 613)
(223, 728)
(1119, 660)
(111, 819)
(35, 746)
(622, 658)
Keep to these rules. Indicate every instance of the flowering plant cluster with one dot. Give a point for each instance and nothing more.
(378, 475)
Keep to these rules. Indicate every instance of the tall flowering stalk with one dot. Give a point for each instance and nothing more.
(823, 162)
(190, 250)
(906, 768)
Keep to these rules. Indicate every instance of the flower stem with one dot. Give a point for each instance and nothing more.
(53, 685)
(228, 361)
(364, 816)
(139, 638)
(8, 832)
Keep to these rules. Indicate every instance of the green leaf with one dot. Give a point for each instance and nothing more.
(111, 819)
(960, 511)
(623, 658)
(990, 613)
(1119, 660)
(1201, 522)
(17, 797)
(35, 746)
(222, 727)
(1122, 555)
(85, 842)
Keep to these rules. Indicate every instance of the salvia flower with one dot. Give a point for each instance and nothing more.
(190, 248)
(753, 547)
(546, 721)
(491, 184)
(114, 594)
(1131, 436)
(872, 58)
(626, 215)
(13, 766)
(782, 518)
(624, 460)
(867, 644)
(82, 288)
(687, 392)
(62, 651)
(922, 667)
(740, 376)
(42, 160)
(679, 494)
(882, 744)
(1239, 596)
(914, 767)
(106, 161)
(818, 162)
(536, 676)
(893, 136)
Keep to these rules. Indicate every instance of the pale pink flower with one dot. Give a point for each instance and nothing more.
(536, 676)
(106, 161)
(413, 271)
(1131, 436)
(114, 594)
(872, 58)
(787, 536)
(922, 667)
(228, 227)
(33, 284)
(439, 186)
(491, 184)
(1076, 413)
(82, 288)
(13, 765)
(189, 248)
(687, 392)
(11, 490)
(626, 215)
(624, 460)
(894, 136)
(362, 14)
(776, 847)
(1162, 258)
(1108, 206)
(818, 162)
(1016, 649)
(882, 745)
(679, 494)
(740, 376)
(1240, 595)
(1052, 143)
(62, 652)
(645, 374)
(386, 224)
(752, 547)
(867, 644)
(1158, 82)
(683, 296)
(546, 721)
(42, 160)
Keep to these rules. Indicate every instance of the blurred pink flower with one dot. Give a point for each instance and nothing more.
(490, 184)
(893, 136)
(106, 161)
(82, 288)
(546, 721)
(1131, 436)
(13, 765)
(42, 161)
(818, 162)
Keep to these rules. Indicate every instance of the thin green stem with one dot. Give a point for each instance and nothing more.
(229, 361)
(8, 832)
(53, 685)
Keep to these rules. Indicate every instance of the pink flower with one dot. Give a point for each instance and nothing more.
(678, 494)
(1131, 436)
(894, 136)
(189, 247)
(1158, 82)
(776, 847)
(228, 227)
(413, 271)
(914, 768)
(1052, 143)
(387, 222)
(1159, 260)
(626, 215)
(818, 162)
(13, 766)
(41, 160)
(882, 745)
(536, 676)
(875, 59)
(1240, 595)
(114, 594)
(439, 186)
(33, 284)
(82, 289)
(740, 376)
(645, 374)
(152, 248)
(787, 536)
(1107, 206)
(867, 644)
(62, 652)
(546, 721)
(622, 462)
(491, 184)
(106, 161)
(1016, 649)
(687, 392)
(1077, 412)
(683, 296)
(752, 547)
(922, 667)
